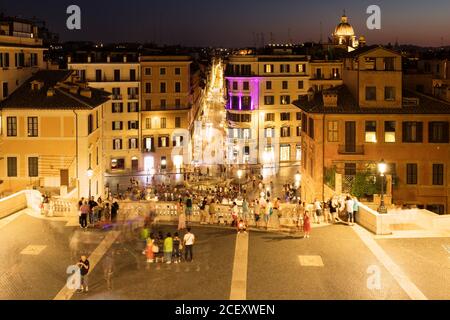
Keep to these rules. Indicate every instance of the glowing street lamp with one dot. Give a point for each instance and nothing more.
(382, 168)
(90, 174)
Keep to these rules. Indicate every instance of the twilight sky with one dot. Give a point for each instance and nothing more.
(235, 22)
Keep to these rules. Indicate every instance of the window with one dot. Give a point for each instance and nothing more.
(133, 125)
(133, 143)
(371, 131)
(163, 142)
(269, 133)
(438, 132)
(162, 71)
(389, 64)
(285, 132)
(117, 144)
(98, 75)
(235, 85)
(5, 90)
(32, 126)
(178, 103)
(284, 100)
(300, 84)
(370, 63)
(4, 60)
(389, 93)
(11, 126)
(148, 123)
(177, 122)
(270, 117)
(246, 85)
(412, 131)
(269, 100)
(148, 71)
(268, 85)
(285, 85)
(268, 68)
(132, 75)
(301, 68)
(162, 87)
(117, 125)
(133, 107)
(438, 174)
(298, 152)
(350, 169)
(163, 163)
(333, 134)
(163, 103)
(117, 164)
(235, 102)
(285, 116)
(12, 166)
(299, 131)
(285, 68)
(177, 71)
(148, 144)
(116, 75)
(285, 152)
(117, 107)
(246, 117)
(311, 128)
(116, 94)
(299, 116)
(178, 141)
(246, 102)
(371, 93)
(148, 87)
(90, 123)
(411, 173)
(177, 87)
(148, 105)
(389, 131)
(163, 123)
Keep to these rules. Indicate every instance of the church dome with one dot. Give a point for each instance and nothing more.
(344, 29)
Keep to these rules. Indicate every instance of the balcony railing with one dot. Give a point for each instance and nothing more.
(351, 149)
(116, 97)
(133, 97)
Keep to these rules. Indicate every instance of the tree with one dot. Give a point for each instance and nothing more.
(365, 184)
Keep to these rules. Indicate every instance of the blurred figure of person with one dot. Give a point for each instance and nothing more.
(317, 211)
(188, 243)
(177, 247)
(212, 211)
(241, 226)
(181, 216)
(306, 224)
(234, 214)
(168, 249)
(84, 211)
(349, 203)
(299, 214)
(114, 211)
(257, 212)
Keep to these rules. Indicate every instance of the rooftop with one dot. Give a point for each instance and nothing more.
(25, 97)
(346, 104)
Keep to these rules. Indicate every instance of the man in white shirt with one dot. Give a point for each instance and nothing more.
(318, 210)
(188, 241)
(349, 203)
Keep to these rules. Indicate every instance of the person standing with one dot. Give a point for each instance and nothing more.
(203, 211)
(168, 248)
(114, 211)
(92, 206)
(181, 216)
(306, 224)
(188, 208)
(355, 208)
(317, 210)
(212, 211)
(176, 249)
(234, 214)
(257, 212)
(299, 214)
(349, 203)
(188, 241)
(84, 211)
(333, 204)
(107, 212)
(84, 266)
(267, 213)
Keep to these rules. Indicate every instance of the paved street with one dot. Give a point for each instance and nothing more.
(334, 263)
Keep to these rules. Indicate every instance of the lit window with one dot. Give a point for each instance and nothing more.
(371, 131)
(389, 131)
(285, 152)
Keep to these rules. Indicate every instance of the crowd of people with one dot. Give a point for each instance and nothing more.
(92, 212)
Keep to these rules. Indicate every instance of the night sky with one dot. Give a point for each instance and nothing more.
(234, 23)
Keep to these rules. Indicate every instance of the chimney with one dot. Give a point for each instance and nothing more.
(50, 92)
(330, 98)
(73, 89)
(125, 58)
(108, 59)
(89, 59)
(86, 93)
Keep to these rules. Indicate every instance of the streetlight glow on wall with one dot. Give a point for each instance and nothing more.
(382, 168)
(90, 174)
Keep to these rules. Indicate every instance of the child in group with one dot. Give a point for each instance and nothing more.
(177, 247)
(149, 250)
(241, 227)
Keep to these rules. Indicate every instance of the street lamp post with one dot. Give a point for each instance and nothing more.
(90, 174)
(239, 173)
(382, 170)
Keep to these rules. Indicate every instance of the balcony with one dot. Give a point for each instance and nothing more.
(116, 97)
(133, 97)
(351, 149)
